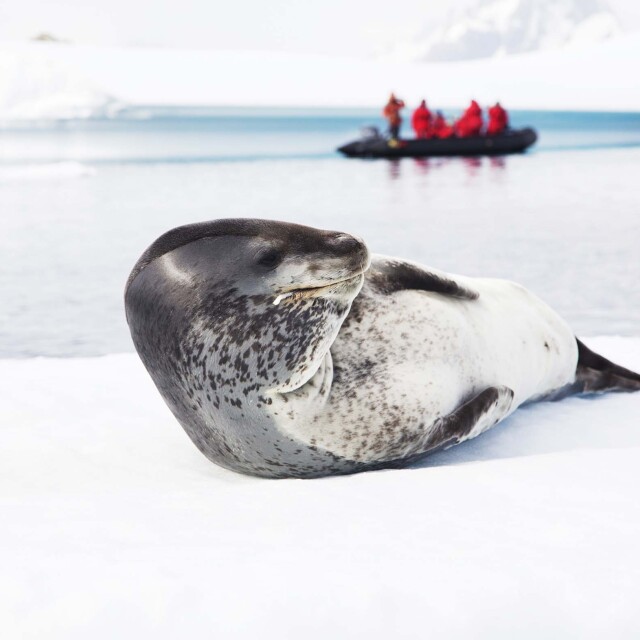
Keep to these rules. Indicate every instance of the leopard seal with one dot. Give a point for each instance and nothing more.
(288, 351)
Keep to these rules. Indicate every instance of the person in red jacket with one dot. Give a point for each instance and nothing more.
(498, 120)
(421, 121)
(391, 112)
(440, 128)
(470, 124)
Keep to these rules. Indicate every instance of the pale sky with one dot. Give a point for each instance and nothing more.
(339, 27)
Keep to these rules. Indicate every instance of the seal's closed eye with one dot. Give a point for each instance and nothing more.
(269, 258)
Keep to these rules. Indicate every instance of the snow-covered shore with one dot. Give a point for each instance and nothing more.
(52, 80)
(114, 525)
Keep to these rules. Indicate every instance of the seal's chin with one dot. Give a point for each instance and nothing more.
(345, 287)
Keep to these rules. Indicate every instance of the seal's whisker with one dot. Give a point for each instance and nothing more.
(281, 297)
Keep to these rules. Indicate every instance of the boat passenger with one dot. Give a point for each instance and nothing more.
(421, 121)
(498, 120)
(470, 124)
(391, 112)
(440, 128)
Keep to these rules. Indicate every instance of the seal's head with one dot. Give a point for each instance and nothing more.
(260, 257)
(230, 313)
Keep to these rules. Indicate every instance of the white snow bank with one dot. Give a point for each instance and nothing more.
(115, 526)
(598, 77)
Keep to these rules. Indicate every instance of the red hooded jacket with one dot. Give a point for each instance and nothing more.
(498, 120)
(470, 124)
(440, 127)
(421, 121)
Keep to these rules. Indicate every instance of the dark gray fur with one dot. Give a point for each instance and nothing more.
(396, 275)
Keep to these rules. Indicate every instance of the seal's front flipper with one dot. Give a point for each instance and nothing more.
(473, 418)
(468, 421)
(595, 373)
(388, 276)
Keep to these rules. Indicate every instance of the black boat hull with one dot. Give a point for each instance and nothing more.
(513, 141)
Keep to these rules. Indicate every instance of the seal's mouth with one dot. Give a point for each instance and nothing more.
(301, 293)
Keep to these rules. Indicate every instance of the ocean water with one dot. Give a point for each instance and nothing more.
(81, 200)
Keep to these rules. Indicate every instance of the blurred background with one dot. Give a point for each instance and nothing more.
(119, 121)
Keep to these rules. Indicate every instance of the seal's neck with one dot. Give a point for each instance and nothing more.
(277, 347)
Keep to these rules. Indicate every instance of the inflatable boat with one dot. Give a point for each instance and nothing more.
(374, 145)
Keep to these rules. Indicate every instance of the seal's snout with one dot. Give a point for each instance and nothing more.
(344, 245)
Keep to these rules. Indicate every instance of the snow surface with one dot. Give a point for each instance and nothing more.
(115, 526)
(90, 81)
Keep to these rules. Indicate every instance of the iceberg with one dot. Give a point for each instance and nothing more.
(504, 27)
(36, 86)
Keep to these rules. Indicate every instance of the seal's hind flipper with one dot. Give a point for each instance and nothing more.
(468, 421)
(595, 373)
(389, 276)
